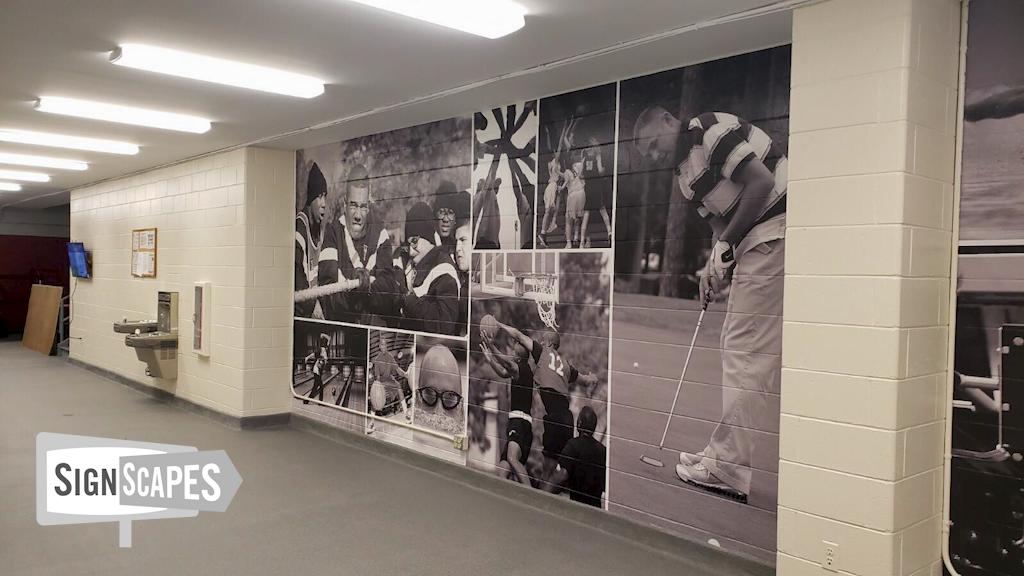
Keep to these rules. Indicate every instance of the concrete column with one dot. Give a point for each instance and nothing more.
(873, 128)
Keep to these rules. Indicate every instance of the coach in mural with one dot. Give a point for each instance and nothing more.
(737, 177)
(350, 252)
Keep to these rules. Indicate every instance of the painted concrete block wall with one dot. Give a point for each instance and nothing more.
(215, 218)
(47, 222)
(873, 125)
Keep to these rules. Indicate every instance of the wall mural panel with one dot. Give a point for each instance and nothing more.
(987, 473)
(532, 282)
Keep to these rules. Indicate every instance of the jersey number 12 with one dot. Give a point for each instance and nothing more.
(560, 370)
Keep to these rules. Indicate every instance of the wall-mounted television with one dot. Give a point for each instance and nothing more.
(79, 260)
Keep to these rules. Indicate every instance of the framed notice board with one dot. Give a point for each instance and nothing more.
(144, 253)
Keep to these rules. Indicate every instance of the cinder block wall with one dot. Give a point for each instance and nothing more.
(873, 129)
(215, 218)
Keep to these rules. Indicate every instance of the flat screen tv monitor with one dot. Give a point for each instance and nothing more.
(79, 260)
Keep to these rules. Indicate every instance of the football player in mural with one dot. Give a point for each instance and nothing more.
(581, 466)
(309, 237)
(519, 430)
(431, 303)
(737, 177)
(350, 252)
(553, 378)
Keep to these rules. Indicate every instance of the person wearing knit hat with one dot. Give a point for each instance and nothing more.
(432, 301)
(447, 219)
(309, 237)
(351, 244)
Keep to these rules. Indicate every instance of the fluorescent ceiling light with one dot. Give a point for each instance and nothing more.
(10, 187)
(488, 18)
(24, 176)
(70, 142)
(209, 69)
(42, 161)
(123, 114)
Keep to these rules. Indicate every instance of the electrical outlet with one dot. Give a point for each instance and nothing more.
(460, 442)
(830, 556)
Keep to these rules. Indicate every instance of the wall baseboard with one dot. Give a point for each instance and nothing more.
(699, 554)
(235, 422)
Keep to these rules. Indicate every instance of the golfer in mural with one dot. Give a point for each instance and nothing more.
(737, 175)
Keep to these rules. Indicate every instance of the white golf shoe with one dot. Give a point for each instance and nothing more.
(698, 475)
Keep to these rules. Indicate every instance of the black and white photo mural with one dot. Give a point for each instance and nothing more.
(579, 293)
(986, 535)
(504, 176)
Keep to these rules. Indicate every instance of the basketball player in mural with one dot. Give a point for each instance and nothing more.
(350, 252)
(581, 467)
(553, 378)
(737, 176)
(309, 237)
(515, 367)
(594, 173)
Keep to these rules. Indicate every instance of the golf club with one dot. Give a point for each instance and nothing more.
(650, 460)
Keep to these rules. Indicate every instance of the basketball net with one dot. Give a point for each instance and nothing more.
(544, 285)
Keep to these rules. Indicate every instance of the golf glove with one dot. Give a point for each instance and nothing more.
(721, 261)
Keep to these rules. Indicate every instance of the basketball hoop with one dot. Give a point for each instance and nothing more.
(543, 288)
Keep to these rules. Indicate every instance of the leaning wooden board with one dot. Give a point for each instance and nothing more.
(41, 321)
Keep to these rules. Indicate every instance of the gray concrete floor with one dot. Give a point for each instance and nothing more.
(307, 505)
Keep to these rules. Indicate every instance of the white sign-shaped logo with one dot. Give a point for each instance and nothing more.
(83, 479)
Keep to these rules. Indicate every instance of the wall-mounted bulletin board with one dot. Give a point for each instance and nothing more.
(144, 253)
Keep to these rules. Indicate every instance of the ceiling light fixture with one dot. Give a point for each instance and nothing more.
(209, 69)
(123, 114)
(24, 176)
(42, 162)
(490, 19)
(10, 187)
(66, 141)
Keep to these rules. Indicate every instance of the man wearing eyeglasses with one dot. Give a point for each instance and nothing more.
(736, 174)
(350, 251)
(432, 302)
(445, 210)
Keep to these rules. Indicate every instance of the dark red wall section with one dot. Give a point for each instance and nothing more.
(24, 261)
